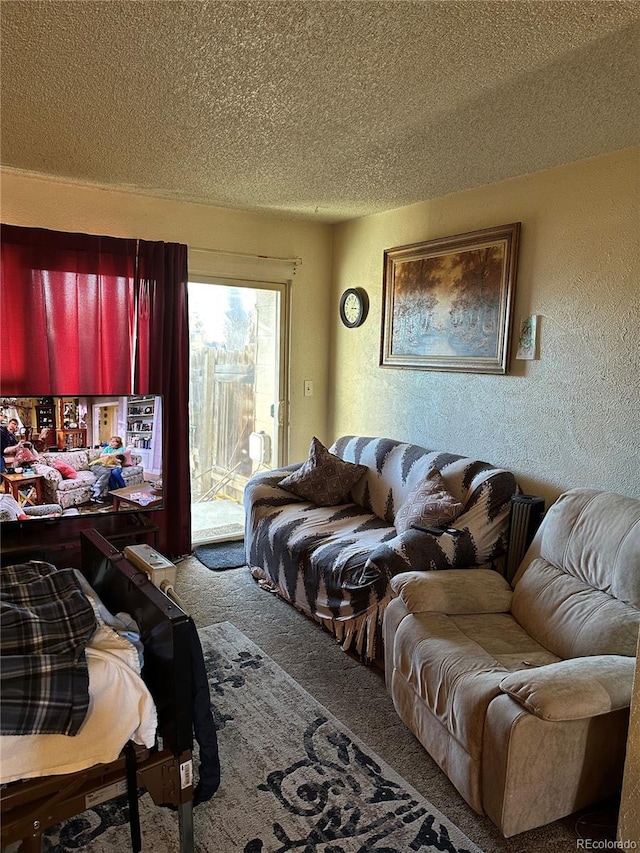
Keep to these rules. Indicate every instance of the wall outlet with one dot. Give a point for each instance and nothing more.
(308, 387)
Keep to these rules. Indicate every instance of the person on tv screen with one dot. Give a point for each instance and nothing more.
(111, 458)
(7, 439)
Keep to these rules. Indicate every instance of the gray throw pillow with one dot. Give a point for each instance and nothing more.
(324, 478)
(429, 504)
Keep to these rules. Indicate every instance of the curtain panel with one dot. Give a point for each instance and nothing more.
(162, 361)
(102, 315)
(67, 312)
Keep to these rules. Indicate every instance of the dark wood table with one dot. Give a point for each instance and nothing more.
(25, 488)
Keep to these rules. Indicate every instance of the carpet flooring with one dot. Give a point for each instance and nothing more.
(221, 555)
(293, 778)
(355, 694)
(296, 778)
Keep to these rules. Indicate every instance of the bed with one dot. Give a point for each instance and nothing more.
(68, 782)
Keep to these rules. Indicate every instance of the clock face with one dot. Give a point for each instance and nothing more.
(353, 307)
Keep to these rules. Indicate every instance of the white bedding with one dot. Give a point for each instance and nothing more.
(120, 709)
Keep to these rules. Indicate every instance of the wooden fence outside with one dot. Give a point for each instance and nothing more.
(222, 418)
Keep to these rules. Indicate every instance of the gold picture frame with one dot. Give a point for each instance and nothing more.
(447, 303)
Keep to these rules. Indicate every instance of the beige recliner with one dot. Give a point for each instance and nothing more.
(522, 694)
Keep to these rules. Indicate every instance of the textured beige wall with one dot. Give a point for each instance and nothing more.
(571, 418)
(31, 201)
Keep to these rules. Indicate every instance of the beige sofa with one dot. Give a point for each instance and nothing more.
(73, 492)
(522, 694)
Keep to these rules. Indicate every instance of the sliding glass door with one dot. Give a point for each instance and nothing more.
(237, 403)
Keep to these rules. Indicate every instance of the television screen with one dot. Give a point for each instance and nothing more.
(73, 456)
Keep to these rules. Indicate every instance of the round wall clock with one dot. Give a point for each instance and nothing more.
(354, 304)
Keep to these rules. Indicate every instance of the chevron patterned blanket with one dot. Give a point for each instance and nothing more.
(334, 562)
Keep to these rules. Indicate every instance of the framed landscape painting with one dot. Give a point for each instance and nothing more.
(447, 303)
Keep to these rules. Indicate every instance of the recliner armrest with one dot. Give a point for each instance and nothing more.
(454, 591)
(573, 689)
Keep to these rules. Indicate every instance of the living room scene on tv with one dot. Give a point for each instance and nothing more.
(64, 456)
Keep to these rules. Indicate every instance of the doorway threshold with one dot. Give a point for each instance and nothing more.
(217, 520)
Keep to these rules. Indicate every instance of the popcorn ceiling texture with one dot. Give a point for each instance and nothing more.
(326, 110)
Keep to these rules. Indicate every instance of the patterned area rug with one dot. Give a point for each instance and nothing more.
(294, 778)
(221, 555)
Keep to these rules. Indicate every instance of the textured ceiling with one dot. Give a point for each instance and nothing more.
(323, 110)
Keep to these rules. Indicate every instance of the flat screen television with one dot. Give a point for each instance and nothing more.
(52, 472)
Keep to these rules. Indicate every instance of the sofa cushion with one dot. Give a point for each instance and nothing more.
(333, 544)
(428, 504)
(78, 459)
(67, 471)
(571, 618)
(82, 479)
(578, 590)
(394, 468)
(324, 478)
(454, 592)
(456, 664)
(573, 689)
(595, 537)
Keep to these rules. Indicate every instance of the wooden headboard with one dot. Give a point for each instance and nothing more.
(164, 631)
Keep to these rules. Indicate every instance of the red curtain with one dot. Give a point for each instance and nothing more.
(162, 362)
(102, 315)
(67, 312)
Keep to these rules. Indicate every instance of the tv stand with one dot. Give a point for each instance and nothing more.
(57, 540)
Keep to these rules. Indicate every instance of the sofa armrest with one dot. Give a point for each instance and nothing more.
(43, 511)
(417, 550)
(264, 487)
(49, 473)
(454, 592)
(573, 689)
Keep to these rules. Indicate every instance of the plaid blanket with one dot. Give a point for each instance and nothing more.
(46, 622)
